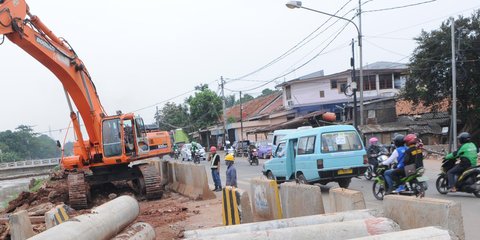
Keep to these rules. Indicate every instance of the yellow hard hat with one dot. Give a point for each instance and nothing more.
(229, 157)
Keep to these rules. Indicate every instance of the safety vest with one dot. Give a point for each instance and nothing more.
(213, 161)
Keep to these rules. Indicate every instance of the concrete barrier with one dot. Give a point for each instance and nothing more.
(435, 233)
(285, 223)
(56, 215)
(20, 226)
(265, 199)
(411, 212)
(342, 199)
(190, 180)
(235, 206)
(163, 169)
(300, 200)
(330, 231)
(138, 231)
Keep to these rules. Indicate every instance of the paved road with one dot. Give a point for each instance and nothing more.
(470, 204)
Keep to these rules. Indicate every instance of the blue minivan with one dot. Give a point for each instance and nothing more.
(318, 155)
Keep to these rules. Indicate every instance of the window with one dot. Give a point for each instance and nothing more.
(288, 92)
(385, 81)
(333, 83)
(112, 144)
(306, 145)
(342, 88)
(340, 141)
(369, 82)
(280, 150)
(322, 94)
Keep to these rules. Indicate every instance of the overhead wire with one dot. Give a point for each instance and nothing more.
(398, 7)
(294, 48)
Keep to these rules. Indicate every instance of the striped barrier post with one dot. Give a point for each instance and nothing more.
(230, 202)
(56, 216)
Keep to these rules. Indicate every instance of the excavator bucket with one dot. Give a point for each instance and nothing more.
(12, 12)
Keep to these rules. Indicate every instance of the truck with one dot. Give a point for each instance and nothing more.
(116, 143)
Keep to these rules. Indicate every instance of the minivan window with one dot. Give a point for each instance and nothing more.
(340, 141)
(278, 138)
(306, 145)
(280, 150)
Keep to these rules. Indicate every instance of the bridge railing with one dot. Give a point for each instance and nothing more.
(30, 163)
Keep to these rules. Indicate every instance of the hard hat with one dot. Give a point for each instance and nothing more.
(229, 157)
(213, 149)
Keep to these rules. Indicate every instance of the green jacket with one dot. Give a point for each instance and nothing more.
(467, 150)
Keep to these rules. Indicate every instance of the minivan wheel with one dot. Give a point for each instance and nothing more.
(301, 179)
(344, 182)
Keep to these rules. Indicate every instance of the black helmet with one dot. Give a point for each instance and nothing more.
(464, 137)
(398, 140)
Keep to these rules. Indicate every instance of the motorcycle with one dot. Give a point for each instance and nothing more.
(415, 183)
(374, 161)
(176, 153)
(196, 157)
(468, 182)
(253, 158)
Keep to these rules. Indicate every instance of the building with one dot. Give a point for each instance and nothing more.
(319, 92)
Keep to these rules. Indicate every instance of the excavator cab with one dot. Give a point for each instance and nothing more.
(124, 135)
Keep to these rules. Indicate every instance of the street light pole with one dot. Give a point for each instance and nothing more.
(298, 4)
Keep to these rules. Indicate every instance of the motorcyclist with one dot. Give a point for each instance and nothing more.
(194, 149)
(468, 158)
(399, 155)
(372, 151)
(251, 147)
(413, 155)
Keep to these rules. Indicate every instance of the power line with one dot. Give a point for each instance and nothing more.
(296, 47)
(398, 7)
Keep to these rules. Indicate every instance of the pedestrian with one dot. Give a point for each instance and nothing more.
(214, 158)
(231, 171)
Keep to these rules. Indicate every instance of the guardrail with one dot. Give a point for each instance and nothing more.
(30, 163)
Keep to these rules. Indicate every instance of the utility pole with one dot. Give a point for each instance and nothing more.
(241, 116)
(353, 85)
(361, 58)
(225, 135)
(454, 88)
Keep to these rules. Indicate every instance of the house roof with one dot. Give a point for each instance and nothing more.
(376, 67)
(275, 106)
(405, 107)
(254, 107)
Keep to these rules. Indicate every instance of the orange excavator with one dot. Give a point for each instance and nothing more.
(116, 143)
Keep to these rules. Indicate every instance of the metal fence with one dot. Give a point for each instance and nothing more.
(30, 163)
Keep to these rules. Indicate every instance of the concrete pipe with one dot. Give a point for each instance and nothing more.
(138, 231)
(285, 223)
(331, 231)
(414, 234)
(104, 222)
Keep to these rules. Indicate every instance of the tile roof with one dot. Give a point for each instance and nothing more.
(405, 107)
(261, 105)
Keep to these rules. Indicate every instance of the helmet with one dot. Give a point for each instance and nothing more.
(373, 141)
(398, 140)
(213, 149)
(194, 143)
(229, 157)
(464, 137)
(410, 139)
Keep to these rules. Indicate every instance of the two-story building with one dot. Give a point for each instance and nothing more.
(319, 92)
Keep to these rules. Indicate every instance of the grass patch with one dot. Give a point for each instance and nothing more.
(37, 185)
(4, 203)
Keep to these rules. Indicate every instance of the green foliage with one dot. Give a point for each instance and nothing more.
(431, 69)
(23, 144)
(205, 108)
(37, 185)
(68, 149)
(231, 119)
(173, 116)
(268, 91)
(245, 98)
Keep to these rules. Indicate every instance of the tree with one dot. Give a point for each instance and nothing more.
(245, 98)
(173, 116)
(431, 69)
(267, 91)
(205, 108)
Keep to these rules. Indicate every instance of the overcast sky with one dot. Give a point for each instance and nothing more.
(143, 53)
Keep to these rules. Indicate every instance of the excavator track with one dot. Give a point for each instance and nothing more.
(151, 182)
(78, 191)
